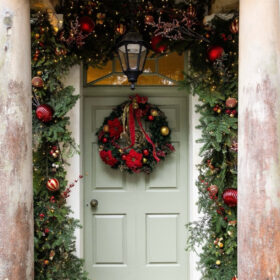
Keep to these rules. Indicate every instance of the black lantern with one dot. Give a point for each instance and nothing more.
(132, 51)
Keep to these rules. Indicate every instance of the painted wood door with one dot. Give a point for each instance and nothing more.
(137, 232)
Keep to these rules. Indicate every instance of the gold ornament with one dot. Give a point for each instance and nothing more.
(135, 106)
(218, 262)
(100, 18)
(120, 151)
(154, 113)
(39, 73)
(164, 131)
(121, 29)
(106, 128)
(144, 160)
(221, 245)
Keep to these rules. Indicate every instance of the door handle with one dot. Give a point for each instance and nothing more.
(94, 203)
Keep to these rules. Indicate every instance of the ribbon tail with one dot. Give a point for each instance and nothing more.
(148, 139)
(131, 126)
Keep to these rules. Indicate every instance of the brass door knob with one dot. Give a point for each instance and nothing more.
(94, 203)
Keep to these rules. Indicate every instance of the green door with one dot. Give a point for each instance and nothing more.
(137, 232)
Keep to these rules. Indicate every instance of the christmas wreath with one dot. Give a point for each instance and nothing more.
(135, 137)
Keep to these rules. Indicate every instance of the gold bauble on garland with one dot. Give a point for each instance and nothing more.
(106, 128)
(164, 131)
(154, 113)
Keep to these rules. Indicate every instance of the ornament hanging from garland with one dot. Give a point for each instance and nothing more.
(215, 53)
(86, 24)
(157, 44)
(37, 82)
(231, 102)
(121, 29)
(234, 26)
(53, 185)
(135, 137)
(44, 113)
(230, 197)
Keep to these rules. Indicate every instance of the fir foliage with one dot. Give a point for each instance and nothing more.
(54, 228)
(213, 83)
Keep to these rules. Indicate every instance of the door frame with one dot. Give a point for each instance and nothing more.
(125, 91)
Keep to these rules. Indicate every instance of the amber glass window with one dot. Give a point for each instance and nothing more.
(165, 70)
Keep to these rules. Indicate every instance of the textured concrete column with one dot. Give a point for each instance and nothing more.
(16, 203)
(259, 141)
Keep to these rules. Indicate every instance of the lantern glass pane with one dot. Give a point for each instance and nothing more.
(133, 61)
(142, 58)
(122, 56)
(133, 48)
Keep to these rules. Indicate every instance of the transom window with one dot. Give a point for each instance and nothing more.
(166, 70)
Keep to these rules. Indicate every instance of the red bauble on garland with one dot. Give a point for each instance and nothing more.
(231, 102)
(213, 190)
(44, 113)
(215, 53)
(230, 197)
(37, 82)
(157, 44)
(191, 11)
(86, 24)
(149, 19)
(53, 185)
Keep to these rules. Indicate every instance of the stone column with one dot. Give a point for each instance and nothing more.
(16, 195)
(259, 141)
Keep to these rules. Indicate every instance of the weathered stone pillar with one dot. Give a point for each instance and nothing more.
(259, 141)
(16, 203)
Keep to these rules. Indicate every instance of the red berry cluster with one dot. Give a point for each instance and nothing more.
(66, 193)
(231, 113)
(217, 109)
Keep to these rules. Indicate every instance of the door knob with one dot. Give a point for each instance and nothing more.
(94, 203)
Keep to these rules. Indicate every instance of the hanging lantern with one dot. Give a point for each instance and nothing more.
(132, 51)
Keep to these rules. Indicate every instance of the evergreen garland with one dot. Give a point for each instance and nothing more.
(216, 85)
(52, 144)
(213, 80)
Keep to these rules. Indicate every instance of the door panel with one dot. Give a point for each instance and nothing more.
(137, 232)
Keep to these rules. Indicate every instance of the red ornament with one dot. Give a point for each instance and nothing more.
(215, 52)
(121, 29)
(230, 197)
(104, 140)
(86, 24)
(53, 185)
(191, 12)
(234, 26)
(146, 152)
(213, 190)
(231, 102)
(37, 82)
(44, 113)
(151, 118)
(123, 157)
(149, 19)
(157, 44)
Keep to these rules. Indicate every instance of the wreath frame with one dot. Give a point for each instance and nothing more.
(126, 144)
